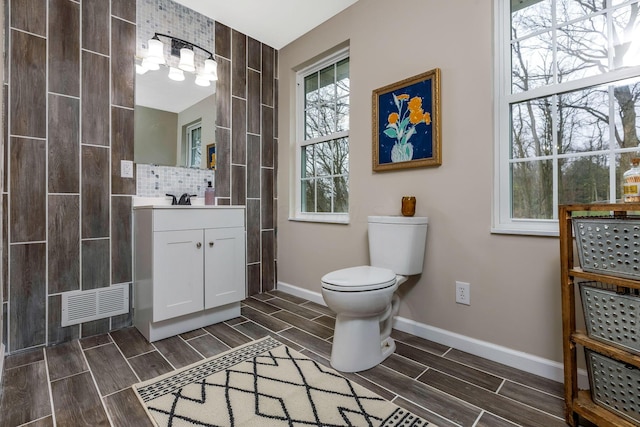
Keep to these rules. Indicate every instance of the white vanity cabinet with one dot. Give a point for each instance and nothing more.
(189, 267)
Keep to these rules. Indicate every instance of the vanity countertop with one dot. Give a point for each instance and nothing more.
(140, 202)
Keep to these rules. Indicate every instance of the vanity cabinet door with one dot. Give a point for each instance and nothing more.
(224, 266)
(178, 273)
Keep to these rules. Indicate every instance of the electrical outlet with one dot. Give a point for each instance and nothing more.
(126, 168)
(463, 293)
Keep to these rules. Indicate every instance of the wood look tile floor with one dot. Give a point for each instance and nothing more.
(88, 382)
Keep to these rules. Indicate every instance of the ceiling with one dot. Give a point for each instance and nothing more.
(273, 22)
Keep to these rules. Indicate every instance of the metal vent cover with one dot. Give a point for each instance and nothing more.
(85, 306)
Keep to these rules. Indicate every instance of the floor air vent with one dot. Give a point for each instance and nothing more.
(84, 306)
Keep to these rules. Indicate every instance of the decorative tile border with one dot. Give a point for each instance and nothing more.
(156, 181)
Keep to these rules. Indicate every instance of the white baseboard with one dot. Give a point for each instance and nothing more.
(516, 359)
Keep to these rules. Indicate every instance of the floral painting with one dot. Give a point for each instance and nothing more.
(406, 126)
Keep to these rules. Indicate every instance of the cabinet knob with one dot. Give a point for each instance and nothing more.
(198, 245)
(210, 244)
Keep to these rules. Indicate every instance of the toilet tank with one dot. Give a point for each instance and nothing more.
(398, 243)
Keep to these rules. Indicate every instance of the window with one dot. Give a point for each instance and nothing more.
(194, 145)
(322, 141)
(568, 106)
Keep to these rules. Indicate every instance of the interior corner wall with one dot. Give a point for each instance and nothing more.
(247, 144)
(70, 97)
(515, 279)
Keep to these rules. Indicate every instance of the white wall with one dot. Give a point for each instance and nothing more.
(515, 294)
(204, 110)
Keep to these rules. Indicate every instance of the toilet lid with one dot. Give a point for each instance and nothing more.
(363, 278)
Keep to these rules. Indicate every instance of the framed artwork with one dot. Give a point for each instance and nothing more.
(406, 123)
(211, 156)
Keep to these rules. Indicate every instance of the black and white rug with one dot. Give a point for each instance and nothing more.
(265, 383)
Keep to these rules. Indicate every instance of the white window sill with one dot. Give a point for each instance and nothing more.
(323, 218)
(528, 228)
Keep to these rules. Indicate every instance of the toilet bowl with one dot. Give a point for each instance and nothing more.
(364, 298)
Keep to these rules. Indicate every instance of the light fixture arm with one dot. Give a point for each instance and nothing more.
(177, 44)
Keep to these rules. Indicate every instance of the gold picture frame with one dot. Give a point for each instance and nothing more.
(406, 123)
(211, 156)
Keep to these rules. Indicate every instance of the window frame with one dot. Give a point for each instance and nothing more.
(502, 221)
(189, 129)
(296, 213)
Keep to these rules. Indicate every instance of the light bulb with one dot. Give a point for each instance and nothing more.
(186, 60)
(156, 51)
(202, 80)
(176, 74)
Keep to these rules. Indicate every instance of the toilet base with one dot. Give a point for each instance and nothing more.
(357, 344)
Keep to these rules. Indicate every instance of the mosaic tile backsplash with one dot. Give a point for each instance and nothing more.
(156, 181)
(168, 17)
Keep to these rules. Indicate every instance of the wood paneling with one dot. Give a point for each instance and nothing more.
(268, 73)
(95, 327)
(267, 198)
(64, 47)
(64, 243)
(123, 43)
(56, 333)
(28, 197)
(64, 143)
(223, 40)
(267, 137)
(95, 98)
(121, 238)
(131, 342)
(126, 410)
(253, 166)
(223, 94)
(122, 125)
(177, 352)
(71, 411)
(95, 26)
(28, 278)
(65, 360)
(223, 162)
(227, 334)
(25, 395)
(150, 365)
(239, 131)
(95, 192)
(29, 16)
(28, 112)
(5, 251)
(254, 54)
(125, 9)
(110, 369)
(238, 64)
(254, 283)
(95, 263)
(253, 102)
(268, 260)
(238, 185)
(253, 230)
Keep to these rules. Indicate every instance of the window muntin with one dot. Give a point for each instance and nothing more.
(194, 145)
(568, 115)
(323, 141)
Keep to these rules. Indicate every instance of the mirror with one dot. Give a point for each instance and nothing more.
(174, 120)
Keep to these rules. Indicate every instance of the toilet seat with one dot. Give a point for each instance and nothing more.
(359, 279)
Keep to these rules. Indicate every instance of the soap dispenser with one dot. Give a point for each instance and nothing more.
(209, 195)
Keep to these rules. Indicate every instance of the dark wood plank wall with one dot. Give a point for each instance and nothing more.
(246, 144)
(72, 111)
(69, 122)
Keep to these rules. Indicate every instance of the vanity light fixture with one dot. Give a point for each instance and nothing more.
(206, 72)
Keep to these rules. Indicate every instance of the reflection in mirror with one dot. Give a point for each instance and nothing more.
(174, 120)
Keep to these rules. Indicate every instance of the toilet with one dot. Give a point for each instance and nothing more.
(364, 297)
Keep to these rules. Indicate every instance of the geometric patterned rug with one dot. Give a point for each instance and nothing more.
(263, 384)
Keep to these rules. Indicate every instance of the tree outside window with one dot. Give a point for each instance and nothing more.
(571, 100)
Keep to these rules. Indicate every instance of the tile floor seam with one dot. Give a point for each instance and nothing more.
(501, 395)
(163, 356)
(125, 358)
(46, 367)
(95, 382)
